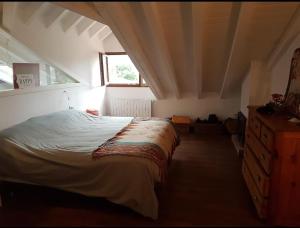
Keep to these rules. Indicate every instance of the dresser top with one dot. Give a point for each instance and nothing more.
(278, 122)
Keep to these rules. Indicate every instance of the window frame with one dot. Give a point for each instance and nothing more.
(102, 81)
(109, 84)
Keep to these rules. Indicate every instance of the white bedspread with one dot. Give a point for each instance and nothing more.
(55, 151)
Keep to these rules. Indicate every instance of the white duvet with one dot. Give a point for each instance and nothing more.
(55, 150)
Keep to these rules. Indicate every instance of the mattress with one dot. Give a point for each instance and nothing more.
(55, 150)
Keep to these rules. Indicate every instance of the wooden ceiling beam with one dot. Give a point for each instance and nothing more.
(28, 10)
(119, 19)
(105, 32)
(86, 9)
(8, 15)
(84, 25)
(156, 29)
(237, 25)
(95, 29)
(187, 37)
(70, 20)
(196, 47)
(286, 39)
(53, 15)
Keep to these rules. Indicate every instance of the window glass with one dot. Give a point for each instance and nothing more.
(12, 51)
(121, 70)
(6, 79)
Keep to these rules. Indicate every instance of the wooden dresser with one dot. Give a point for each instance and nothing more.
(271, 167)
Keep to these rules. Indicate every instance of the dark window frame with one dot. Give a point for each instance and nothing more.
(139, 84)
(101, 69)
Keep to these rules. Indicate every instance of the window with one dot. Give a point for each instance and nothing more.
(6, 79)
(50, 75)
(120, 71)
(12, 51)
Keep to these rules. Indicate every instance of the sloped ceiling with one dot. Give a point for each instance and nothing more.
(49, 14)
(193, 47)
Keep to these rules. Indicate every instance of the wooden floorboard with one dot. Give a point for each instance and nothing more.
(204, 188)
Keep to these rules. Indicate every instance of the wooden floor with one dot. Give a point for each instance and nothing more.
(204, 188)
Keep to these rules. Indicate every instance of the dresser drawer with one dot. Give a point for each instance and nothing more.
(267, 137)
(260, 178)
(260, 202)
(256, 127)
(262, 154)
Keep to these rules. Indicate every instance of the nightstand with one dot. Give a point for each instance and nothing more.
(182, 124)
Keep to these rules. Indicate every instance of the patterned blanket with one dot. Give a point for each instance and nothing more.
(151, 138)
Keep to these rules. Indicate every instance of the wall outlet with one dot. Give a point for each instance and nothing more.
(71, 107)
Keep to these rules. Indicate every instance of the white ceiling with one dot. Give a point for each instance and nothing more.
(195, 47)
(181, 47)
(49, 14)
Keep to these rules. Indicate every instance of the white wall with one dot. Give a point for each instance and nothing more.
(245, 94)
(192, 107)
(281, 70)
(18, 106)
(258, 90)
(255, 89)
(77, 55)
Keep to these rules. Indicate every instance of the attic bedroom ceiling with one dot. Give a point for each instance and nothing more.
(182, 48)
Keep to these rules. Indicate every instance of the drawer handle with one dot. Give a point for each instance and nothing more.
(263, 157)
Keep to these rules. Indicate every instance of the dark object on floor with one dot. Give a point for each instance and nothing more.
(266, 109)
(209, 128)
(232, 126)
(212, 118)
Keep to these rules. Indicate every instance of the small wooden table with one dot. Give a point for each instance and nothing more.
(182, 124)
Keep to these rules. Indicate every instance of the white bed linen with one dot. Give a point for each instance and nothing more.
(47, 161)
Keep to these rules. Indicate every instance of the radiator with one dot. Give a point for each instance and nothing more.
(130, 107)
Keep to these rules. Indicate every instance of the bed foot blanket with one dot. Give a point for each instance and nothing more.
(150, 138)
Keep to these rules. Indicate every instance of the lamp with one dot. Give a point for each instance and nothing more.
(68, 98)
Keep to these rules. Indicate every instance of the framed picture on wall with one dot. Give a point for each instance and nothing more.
(292, 96)
(26, 75)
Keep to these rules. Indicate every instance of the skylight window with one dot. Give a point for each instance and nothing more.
(121, 71)
(11, 51)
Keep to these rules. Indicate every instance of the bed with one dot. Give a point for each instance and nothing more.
(117, 158)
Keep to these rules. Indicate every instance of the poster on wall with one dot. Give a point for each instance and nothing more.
(26, 75)
(292, 95)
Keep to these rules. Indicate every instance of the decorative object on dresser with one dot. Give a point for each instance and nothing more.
(271, 166)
